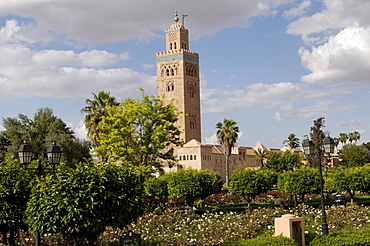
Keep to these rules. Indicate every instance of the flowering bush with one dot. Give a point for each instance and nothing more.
(223, 199)
(270, 196)
(165, 226)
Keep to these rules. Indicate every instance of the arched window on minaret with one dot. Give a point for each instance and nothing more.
(174, 45)
(172, 72)
(167, 72)
(170, 46)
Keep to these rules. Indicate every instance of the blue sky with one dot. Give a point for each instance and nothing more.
(273, 66)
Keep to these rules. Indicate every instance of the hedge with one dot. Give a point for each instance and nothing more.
(263, 241)
(351, 237)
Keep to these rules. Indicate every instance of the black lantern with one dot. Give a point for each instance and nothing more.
(329, 145)
(308, 147)
(54, 154)
(25, 152)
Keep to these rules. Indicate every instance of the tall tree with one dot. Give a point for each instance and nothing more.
(40, 132)
(227, 134)
(343, 137)
(142, 132)
(354, 136)
(317, 136)
(292, 141)
(95, 110)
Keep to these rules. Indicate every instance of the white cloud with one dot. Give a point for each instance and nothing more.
(255, 96)
(211, 140)
(342, 60)
(337, 14)
(111, 20)
(277, 117)
(297, 11)
(52, 73)
(79, 130)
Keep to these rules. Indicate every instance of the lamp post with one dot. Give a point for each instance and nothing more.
(25, 153)
(328, 148)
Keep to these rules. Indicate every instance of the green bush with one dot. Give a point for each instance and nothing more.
(353, 237)
(192, 184)
(79, 203)
(250, 182)
(157, 187)
(263, 241)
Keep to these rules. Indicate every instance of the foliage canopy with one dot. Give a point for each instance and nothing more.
(141, 132)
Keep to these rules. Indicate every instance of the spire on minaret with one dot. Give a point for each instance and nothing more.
(176, 19)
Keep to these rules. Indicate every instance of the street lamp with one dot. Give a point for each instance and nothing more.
(328, 148)
(25, 153)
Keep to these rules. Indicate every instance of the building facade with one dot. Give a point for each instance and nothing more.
(178, 82)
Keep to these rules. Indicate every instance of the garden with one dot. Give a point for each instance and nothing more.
(100, 205)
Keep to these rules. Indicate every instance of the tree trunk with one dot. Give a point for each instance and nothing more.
(295, 200)
(302, 198)
(227, 171)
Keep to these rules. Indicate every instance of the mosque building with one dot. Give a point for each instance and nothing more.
(178, 82)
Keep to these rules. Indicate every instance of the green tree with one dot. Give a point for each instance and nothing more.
(261, 156)
(354, 136)
(299, 182)
(79, 203)
(192, 184)
(292, 141)
(343, 138)
(352, 180)
(227, 134)
(95, 109)
(353, 156)
(140, 132)
(40, 132)
(317, 137)
(284, 161)
(14, 194)
(250, 182)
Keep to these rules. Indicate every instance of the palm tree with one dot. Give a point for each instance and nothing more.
(261, 155)
(354, 136)
(227, 134)
(292, 141)
(343, 137)
(95, 110)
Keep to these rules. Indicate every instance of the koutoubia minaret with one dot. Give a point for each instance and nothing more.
(178, 80)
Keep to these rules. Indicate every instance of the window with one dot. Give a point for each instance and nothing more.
(195, 157)
(191, 94)
(192, 125)
(180, 157)
(170, 46)
(174, 45)
(191, 157)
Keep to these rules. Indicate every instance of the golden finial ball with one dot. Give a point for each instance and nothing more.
(176, 19)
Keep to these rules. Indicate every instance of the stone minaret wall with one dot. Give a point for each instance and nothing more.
(178, 80)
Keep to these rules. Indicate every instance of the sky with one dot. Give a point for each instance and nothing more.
(273, 66)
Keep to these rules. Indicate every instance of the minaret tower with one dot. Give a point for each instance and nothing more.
(178, 80)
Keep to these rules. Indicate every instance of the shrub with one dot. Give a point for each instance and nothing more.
(250, 182)
(352, 237)
(157, 187)
(78, 204)
(191, 184)
(263, 241)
